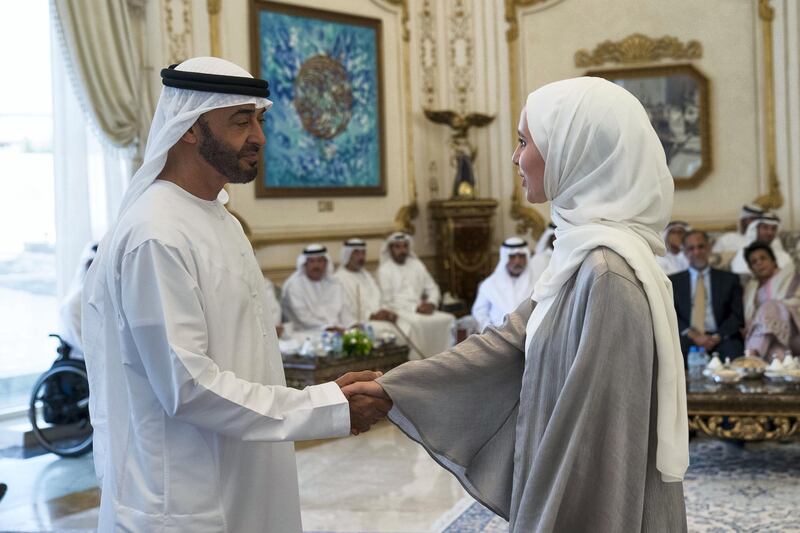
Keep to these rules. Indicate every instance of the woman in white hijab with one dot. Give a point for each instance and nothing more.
(572, 415)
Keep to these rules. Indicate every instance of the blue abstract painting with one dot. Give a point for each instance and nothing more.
(324, 131)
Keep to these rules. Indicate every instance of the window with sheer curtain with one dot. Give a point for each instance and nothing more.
(62, 185)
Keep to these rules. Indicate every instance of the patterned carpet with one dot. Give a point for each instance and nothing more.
(729, 488)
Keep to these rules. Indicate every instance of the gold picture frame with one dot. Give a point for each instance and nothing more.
(676, 98)
(350, 157)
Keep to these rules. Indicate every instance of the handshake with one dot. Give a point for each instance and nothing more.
(369, 403)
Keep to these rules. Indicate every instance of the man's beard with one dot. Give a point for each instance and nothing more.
(223, 158)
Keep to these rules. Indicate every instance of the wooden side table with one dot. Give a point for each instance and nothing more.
(463, 230)
(304, 371)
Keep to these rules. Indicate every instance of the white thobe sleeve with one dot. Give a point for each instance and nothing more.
(163, 307)
(482, 308)
(430, 287)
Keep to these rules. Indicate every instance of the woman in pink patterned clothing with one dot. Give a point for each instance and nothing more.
(771, 304)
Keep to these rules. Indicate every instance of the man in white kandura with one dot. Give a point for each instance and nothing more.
(674, 260)
(507, 287)
(192, 419)
(764, 229)
(312, 298)
(410, 291)
(542, 253)
(362, 296)
(733, 241)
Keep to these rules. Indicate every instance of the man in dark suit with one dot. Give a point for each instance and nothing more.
(708, 302)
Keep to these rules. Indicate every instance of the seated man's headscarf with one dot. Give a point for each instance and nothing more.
(739, 263)
(513, 246)
(685, 226)
(749, 211)
(766, 219)
(502, 289)
(349, 246)
(397, 236)
(608, 183)
(312, 250)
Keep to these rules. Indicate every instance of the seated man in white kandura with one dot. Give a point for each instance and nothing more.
(508, 286)
(361, 294)
(763, 229)
(312, 298)
(410, 291)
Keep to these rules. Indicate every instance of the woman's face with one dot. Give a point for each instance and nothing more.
(762, 265)
(530, 163)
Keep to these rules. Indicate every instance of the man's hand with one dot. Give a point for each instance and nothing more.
(357, 377)
(364, 410)
(372, 396)
(368, 388)
(384, 314)
(426, 308)
(710, 342)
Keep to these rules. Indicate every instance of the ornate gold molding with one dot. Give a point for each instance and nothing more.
(528, 219)
(214, 7)
(180, 44)
(773, 199)
(637, 48)
(427, 52)
(260, 240)
(511, 16)
(761, 427)
(460, 51)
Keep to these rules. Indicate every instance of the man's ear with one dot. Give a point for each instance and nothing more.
(190, 137)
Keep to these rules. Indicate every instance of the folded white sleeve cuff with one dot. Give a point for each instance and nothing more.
(329, 394)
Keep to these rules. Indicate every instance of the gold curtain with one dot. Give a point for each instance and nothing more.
(101, 44)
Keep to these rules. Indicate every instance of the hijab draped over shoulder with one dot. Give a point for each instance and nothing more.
(608, 184)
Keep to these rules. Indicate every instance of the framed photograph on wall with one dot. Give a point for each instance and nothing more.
(325, 131)
(676, 100)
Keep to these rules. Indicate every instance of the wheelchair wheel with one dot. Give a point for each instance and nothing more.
(59, 411)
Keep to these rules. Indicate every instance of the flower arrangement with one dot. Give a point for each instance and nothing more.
(355, 342)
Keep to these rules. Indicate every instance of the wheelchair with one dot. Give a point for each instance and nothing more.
(59, 406)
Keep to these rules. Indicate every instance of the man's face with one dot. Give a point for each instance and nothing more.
(315, 267)
(516, 264)
(357, 260)
(766, 233)
(761, 265)
(675, 239)
(399, 251)
(697, 250)
(230, 138)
